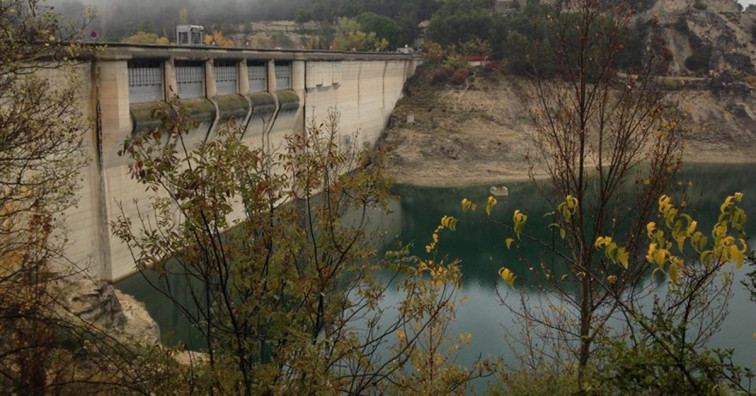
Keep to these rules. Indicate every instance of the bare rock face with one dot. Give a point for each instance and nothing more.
(676, 6)
(100, 304)
(138, 323)
(95, 302)
(716, 28)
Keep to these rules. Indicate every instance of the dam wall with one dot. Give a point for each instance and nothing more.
(271, 93)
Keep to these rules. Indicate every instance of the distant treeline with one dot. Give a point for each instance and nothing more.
(514, 33)
(115, 21)
(521, 36)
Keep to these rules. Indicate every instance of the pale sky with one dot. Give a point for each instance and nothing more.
(745, 3)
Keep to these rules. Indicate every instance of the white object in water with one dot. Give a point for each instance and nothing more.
(499, 191)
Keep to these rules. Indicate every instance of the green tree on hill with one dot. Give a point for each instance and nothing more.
(350, 37)
(383, 27)
(459, 21)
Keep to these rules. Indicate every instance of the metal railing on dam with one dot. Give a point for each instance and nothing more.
(268, 92)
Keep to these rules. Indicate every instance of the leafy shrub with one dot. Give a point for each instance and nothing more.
(649, 369)
(542, 381)
(699, 5)
(455, 62)
(492, 67)
(441, 75)
(459, 76)
(433, 52)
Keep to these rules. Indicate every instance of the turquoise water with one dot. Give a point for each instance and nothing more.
(479, 244)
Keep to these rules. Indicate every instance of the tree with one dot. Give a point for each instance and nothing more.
(47, 345)
(382, 26)
(350, 37)
(285, 296)
(217, 38)
(41, 151)
(611, 148)
(593, 132)
(146, 38)
(459, 21)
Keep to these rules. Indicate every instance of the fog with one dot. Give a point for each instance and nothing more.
(116, 19)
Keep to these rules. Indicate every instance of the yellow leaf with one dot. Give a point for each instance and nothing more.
(612, 279)
(602, 241)
(660, 257)
(509, 241)
(519, 219)
(572, 202)
(468, 205)
(664, 201)
(490, 204)
(692, 227)
(650, 227)
(507, 275)
(737, 256)
(727, 202)
(622, 257)
(650, 254)
(698, 240)
(680, 241)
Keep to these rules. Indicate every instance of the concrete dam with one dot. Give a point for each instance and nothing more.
(278, 90)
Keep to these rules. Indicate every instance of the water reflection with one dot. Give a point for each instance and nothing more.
(480, 246)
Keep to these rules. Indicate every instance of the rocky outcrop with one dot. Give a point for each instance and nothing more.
(138, 324)
(715, 32)
(95, 302)
(98, 303)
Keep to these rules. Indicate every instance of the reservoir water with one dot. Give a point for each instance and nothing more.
(479, 244)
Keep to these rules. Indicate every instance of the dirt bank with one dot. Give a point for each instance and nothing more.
(481, 132)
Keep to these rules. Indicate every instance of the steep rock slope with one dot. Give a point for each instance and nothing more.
(723, 37)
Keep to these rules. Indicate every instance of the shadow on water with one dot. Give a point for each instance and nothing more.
(480, 246)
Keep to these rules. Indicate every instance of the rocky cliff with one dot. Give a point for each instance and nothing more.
(707, 37)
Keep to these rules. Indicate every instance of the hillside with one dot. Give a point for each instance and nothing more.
(481, 132)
